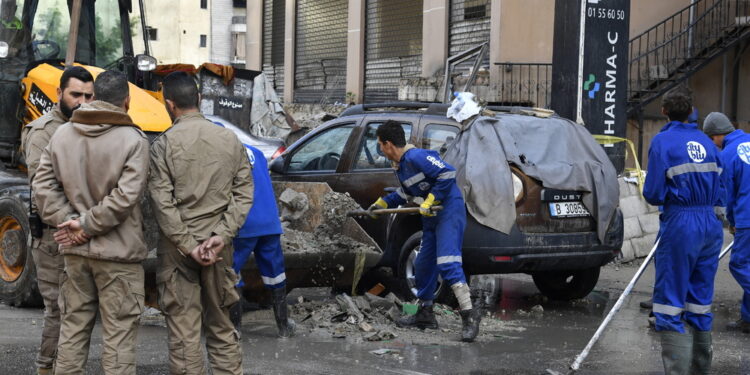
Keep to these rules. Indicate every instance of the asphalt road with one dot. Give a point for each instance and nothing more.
(541, 343)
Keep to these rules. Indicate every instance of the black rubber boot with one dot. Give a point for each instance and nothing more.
(702, 353)
(280, 313)
(424, 318)
(647, 304)
(470, 324)
(739, 325)
(676, 352)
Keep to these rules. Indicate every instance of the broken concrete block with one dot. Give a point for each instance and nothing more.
(293, 204)
(537, 310)
(362, 303)
(365, 327)
(625, 190)
(649, 223)
(379, 302)
(632, 228)
(348, 305)
(392, 297)
(633, 206)
(394, 313)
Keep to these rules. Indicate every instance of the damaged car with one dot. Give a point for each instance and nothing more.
(519, 218)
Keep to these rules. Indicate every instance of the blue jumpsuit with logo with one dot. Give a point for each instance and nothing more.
(735, 159)
(684, 176)
(261, 233)
(422, 172)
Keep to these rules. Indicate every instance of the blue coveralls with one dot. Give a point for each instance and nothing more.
(261, 233)
(422, 172)
(735, 159)
(684, 176)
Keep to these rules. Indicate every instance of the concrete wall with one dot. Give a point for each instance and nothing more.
(641, 222)
(179, 29)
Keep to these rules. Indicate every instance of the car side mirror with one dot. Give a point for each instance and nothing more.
(277, 165)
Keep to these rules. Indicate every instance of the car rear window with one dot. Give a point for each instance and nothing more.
(438, 136)
(369, 155)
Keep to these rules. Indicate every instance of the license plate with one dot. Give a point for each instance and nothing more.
(568, 209)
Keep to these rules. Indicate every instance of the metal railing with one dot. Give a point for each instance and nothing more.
(670, 51)
(525, 84)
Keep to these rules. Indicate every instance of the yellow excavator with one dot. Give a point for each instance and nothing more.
(38, 38)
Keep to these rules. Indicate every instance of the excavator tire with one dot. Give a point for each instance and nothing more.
(18, 286)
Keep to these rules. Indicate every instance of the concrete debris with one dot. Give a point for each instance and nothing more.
(537, 310)
(384, 351)
(349, 318)
(365, 327)
(293, 204)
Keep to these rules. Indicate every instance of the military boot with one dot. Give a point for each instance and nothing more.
(424, 318)
(285, 325)
(702, 353)
(676, 352)
(470, 324)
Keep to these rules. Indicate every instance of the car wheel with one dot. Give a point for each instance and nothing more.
(18, 285)
(407, 272)
(566, 285)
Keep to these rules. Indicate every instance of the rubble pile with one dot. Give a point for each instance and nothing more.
(325, 237)
(371, 318)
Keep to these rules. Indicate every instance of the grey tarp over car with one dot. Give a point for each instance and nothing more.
(558, 152)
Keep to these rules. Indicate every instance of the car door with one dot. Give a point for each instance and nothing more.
(370, 173)
(322, 156)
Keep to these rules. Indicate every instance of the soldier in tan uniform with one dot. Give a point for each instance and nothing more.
(201, 188)
(76, 88)
(89, 184)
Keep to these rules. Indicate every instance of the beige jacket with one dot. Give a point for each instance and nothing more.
(96, 167)
(36, 136)
(200, 182)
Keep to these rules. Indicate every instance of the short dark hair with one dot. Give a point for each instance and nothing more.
(112, 87)
(392, 131)
(181, 89)
(678, 103)
(76, 72)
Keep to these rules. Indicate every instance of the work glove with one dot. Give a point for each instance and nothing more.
(426, 207)
(379, 204)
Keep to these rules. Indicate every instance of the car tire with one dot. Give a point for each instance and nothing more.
(405, 273)
(18, 286)
(566, 285)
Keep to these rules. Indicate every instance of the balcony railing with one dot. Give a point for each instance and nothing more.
(527, 84)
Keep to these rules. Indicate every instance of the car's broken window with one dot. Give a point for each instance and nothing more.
(369, 155)
(323, 152)
(437, 137)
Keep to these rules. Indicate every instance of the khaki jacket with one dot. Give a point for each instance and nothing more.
(36, 136)
(96, 167)
(200, 182)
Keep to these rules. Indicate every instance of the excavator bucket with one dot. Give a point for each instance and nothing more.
(323, 247)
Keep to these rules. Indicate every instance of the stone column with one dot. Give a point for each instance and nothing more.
(290, 26)
(355, 50)
(254, 35)
(495, 54)
(434, 36)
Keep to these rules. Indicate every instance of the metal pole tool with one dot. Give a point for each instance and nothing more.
(386, 211)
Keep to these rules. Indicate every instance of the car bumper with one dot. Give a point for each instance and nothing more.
(487, 251)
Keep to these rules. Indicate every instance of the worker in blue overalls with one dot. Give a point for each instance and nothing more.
(735, 159)
(684, 177)
(261, 235)
(424, 175)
